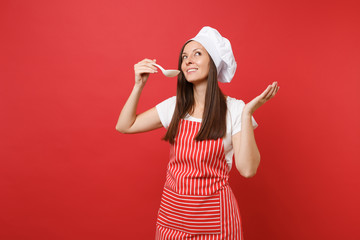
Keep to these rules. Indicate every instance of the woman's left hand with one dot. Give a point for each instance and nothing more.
(254, 104)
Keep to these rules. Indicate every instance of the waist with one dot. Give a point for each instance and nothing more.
(190, 185)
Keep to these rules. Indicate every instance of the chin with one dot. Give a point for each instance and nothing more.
(194, 79)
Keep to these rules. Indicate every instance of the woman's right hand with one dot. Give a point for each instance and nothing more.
(142, 71)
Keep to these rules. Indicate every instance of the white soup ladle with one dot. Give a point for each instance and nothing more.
(168, 73)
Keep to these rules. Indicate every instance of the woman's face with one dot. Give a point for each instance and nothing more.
(195, 62)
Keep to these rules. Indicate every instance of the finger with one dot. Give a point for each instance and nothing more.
(146, 60)
(271, 94)
(265, 93)
(144, 69)
(149, 64)
(277, 89)
(146, 65)
(272, 90)
(274, 93)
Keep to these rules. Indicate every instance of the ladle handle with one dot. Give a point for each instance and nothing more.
(159, 67)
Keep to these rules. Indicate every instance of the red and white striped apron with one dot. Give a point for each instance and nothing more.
(197, 202)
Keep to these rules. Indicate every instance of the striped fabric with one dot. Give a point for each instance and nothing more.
(191, 214)
(197, 202)
(196, 168)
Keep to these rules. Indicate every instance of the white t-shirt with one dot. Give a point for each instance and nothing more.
(235, 107)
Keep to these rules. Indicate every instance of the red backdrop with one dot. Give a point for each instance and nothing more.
(67, 69)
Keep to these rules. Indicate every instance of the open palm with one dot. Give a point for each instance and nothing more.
(265, 96)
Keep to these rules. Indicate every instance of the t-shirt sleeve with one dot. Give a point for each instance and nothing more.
(165, 110)
(236, 109)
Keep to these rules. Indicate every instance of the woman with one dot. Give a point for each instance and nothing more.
(205, 128)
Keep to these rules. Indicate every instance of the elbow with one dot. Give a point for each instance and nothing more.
(250, 171)
(247, 174)
(121, 130)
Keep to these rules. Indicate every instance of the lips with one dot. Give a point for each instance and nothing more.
(191, 70)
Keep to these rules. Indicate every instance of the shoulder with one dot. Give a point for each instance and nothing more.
(234, 104)
(170, 99)
(165, 110)
(235, 108)
(167, 102)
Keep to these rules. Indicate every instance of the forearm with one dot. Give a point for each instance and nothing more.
(128, 113)
(248, 157)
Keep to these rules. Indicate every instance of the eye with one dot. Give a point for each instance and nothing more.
(198, 54)
(184, 56)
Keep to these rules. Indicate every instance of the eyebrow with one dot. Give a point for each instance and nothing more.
(193, 50)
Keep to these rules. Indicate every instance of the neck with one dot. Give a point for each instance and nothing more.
(199, 93)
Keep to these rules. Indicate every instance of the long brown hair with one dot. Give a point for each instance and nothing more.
(213, 125)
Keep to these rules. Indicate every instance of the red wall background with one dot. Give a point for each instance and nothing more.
(67, 69)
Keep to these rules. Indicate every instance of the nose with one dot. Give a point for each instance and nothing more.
(188, 60)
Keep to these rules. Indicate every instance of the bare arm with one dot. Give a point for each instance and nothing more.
(247, 155)
(129, 121)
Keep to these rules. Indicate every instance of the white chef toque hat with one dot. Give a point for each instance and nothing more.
(219, 48)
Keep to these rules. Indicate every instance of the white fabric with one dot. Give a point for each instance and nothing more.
(235, 107)
(219, 48)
